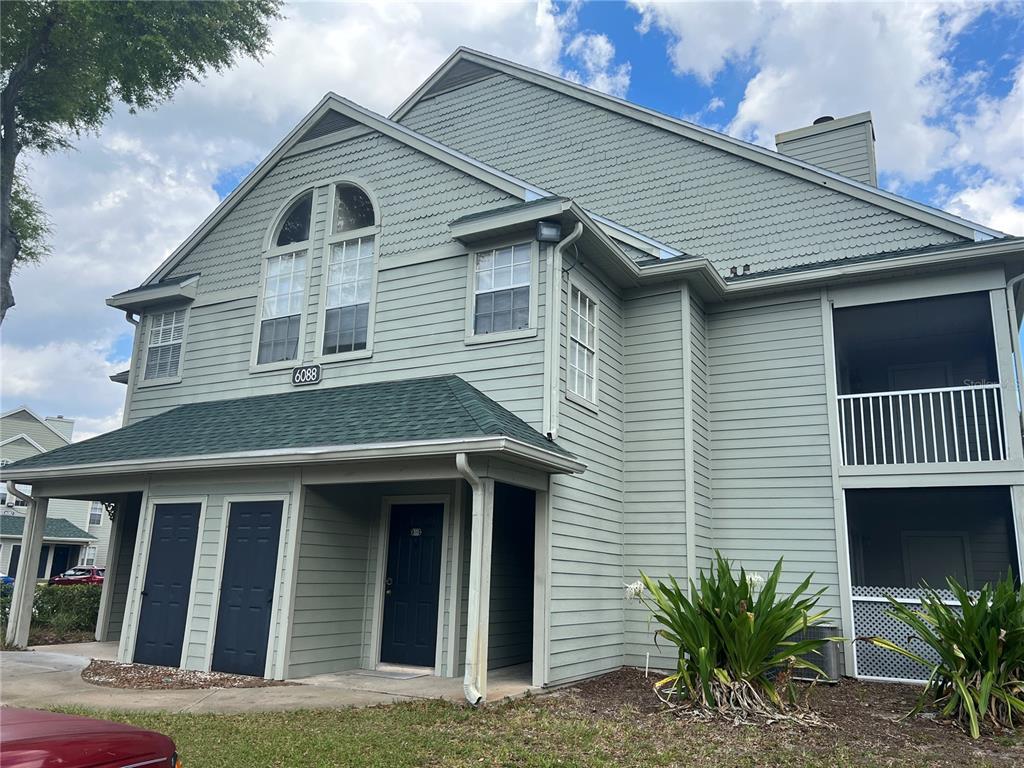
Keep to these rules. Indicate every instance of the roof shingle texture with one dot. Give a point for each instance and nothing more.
(435, 408)
(56, 528)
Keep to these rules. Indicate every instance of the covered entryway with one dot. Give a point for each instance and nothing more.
(904, 538)
(247, 587)
(412, 578)
(168, 584)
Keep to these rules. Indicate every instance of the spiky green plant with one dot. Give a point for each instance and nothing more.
(979, 676)
(734, 639)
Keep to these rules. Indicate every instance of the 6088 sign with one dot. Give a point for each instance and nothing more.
(306, 374)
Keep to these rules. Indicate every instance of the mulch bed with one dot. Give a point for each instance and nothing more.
(867, 719)
(114, 674)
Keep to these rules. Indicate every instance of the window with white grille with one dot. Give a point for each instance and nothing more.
(163, 354)
(582, 364)
(96, 513)
(281, 313)
(349, 296)
(501, 289)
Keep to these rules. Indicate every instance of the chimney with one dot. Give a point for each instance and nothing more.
(65, 426)
(843, 145)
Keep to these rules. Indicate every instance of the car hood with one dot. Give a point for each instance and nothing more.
(34, 739)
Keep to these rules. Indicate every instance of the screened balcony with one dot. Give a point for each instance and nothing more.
(918, 382)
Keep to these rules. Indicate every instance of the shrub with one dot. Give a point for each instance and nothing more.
(980, 673)
(67, 607)
(734, 638)
(6, 591)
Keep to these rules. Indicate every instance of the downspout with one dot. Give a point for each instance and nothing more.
(471, 678)
(553, 332)
(134, 321)
(12, 489)
(1018, 368)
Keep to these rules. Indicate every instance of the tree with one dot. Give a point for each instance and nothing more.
(64, 66)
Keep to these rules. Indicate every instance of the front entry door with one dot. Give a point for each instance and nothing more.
(172, 550)
(61, 560)
(247, 588)
(411, 583)
(12, 567)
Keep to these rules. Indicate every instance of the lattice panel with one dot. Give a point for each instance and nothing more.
(904, 593)
(870, 619)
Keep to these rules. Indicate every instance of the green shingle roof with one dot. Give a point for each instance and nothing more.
(56, 528)
(436, 408)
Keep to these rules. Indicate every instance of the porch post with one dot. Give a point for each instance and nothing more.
(113, 549)
(25, 582)
(475, 679)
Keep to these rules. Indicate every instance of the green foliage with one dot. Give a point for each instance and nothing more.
(85, 56)
(736, 651)
(67, 607)
(29, 222)
(6, 591)
(979, 677)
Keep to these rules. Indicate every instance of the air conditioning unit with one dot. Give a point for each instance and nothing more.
(826, 659)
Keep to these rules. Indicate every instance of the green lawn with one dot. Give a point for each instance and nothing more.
(550, 731)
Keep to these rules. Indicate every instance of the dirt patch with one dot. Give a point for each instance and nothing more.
(868, 720)
(114, 674)
(47, 636)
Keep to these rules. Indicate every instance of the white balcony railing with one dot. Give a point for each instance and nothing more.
(952, 424)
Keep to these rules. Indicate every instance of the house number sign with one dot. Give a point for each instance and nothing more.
(306, 374)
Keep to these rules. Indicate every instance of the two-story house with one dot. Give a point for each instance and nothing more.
(427, 390)
(76, 532)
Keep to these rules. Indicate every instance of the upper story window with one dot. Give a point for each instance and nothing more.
(351, 271)
(96, 514)
(163, 351)
(284, 285)
(582, 363)
(503, 281)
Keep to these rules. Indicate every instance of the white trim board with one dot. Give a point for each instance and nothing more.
(807, 171)
(37, 417)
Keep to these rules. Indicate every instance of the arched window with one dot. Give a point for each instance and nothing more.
(295, 224)
(352, 209)
(284, 285)
(351, 270)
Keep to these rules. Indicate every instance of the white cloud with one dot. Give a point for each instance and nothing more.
(812, 59)
(999, 204)
(595, 54)
(125, 198)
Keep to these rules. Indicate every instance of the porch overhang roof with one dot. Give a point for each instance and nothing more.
(411, 418)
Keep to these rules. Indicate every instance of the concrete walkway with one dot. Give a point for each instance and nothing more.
(51, 676)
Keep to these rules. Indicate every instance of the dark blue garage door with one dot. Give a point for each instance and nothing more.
(247, 588)
(172, 551)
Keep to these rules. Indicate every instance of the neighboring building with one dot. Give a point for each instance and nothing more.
(429, 390)
(76, 531)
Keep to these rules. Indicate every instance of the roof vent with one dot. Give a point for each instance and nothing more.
(823, 119)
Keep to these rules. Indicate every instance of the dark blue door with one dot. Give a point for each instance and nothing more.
(172, 550)
(12, 567)
(247, 588)
(62, 560)
(411, 582)
(44, 555)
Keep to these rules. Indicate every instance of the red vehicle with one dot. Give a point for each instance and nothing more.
(80, 574)
(33, 739)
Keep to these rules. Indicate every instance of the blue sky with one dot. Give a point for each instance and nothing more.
(944, 82)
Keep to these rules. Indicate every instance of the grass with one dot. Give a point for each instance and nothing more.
(562, 730)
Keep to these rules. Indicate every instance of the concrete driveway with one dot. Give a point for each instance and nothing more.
(51, 676)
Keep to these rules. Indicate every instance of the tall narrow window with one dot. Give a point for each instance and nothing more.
(501, 289)
(96, 514)
(163, 354)
(348, 300)
(284, 286)
(582, 364)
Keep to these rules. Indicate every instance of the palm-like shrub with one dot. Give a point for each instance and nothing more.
(735, 639)
(979, 676)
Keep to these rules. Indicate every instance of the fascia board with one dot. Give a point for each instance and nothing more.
(24, 437)
(140, 298)
(793, 166)
(312, 455)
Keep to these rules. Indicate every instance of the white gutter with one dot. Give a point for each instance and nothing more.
(316, 454)
(471, 678)
(553, 331)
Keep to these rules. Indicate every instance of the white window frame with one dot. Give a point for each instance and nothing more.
(471, 293)
(95, 510)
(334, 238)
(86, 556)
(270, 250)
(570, 395)
(148, 319)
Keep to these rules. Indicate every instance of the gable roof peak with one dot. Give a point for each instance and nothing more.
(754, 152)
